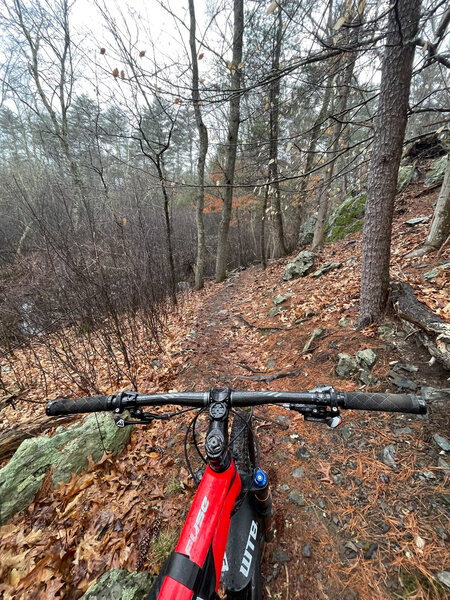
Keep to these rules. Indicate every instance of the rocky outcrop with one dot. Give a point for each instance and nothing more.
(64, 453)
(436, 174)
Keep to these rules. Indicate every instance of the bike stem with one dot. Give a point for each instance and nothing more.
(216, 443)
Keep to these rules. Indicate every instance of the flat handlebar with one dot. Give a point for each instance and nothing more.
(320, 397)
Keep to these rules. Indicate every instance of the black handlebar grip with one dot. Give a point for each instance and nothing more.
(405, 403)
(68, 406)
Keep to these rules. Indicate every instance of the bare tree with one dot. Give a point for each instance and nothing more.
(203, 149)
(232, 140)
(403, 22)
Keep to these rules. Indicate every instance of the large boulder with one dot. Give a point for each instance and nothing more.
(302, 264)
(306, 231)
(436, 173)
(347, 218)
(64, 453)
(405, 174)
(119, 584)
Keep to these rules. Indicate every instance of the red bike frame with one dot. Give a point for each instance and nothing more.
(206, 527)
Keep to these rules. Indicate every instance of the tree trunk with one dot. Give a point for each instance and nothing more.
(390, 127)
(233, 130)
(203, 149)
(440, 225)
(262, 236)
(343, 91)
(168, 225)
(279, 248)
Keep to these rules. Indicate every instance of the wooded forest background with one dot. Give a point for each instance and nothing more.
(130, 170)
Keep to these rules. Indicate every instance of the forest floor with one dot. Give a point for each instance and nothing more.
(348, 526)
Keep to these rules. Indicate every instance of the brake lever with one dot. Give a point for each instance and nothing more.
(319, 414)
(121, 422)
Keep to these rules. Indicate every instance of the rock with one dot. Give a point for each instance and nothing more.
(347, 218)
(427, 475)
(366, 358)
(442, 442)
(303, 453)
(343, 322)
(416, 221)
(346, 366)
(280, 556)
(404, 177)
(433, 273)
(315, 334)
(444, 578)
(299, 472)
(279, 299)
(443, 464)
(119, 584)
(431, 394)
(406, 367)
(368, 554)
(436, 174)
(386, 331)
(402, 382)
(345, 432)
(367, 378)
(306, 231)
(284, 487)
(64, 453)
(442, 534)
(296, 498)
(274, 311)
(388, 456)
(307, 550)
(302, 264)
(326, 268)
(402, 431)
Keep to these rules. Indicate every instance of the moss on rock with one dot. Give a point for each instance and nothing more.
(347, 218)
(65, 453)
(436, 174)
(118, 584)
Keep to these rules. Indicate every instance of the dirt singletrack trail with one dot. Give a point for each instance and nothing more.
(347, 525)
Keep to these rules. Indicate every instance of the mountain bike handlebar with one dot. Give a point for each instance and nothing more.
(321, 397)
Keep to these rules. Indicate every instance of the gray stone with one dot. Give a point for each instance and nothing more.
(302, 264)
(345, 432)
(346, 366)
(279, 299)
(307, 550)
(280, 556)
(442, 442)
(388, 456)
(284, 487)
(402, 431)
(274, 311)
(444, 578)
(366, 358)
(299, 472)
(65, 453)
(326, 268)
(306, 231)
(431, 394)
(303, 453)
(343, 322)
(119, 584)
(296, 498)
(443, 464)
(367, 378)
(433, 273)
(315, 334)
(427, 475)
(406, 367)
(402, 382)
(416, 221)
